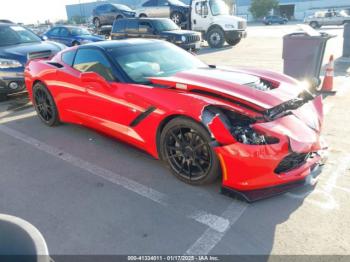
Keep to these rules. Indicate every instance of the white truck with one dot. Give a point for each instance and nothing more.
(330, 17)
(212, 18)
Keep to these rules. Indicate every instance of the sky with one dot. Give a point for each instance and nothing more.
(30, 11)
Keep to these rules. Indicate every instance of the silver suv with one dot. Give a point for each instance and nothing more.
(327, 18)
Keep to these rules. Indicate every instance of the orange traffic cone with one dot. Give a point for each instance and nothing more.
(327, 86)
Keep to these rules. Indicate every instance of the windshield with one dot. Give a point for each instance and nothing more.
(123, 7)
(218, 7)
(165, 25)
(79, 31)
(176, 2)
(140, 62)
(14, 35)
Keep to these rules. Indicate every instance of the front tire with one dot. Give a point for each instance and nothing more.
(75, 43)
(216, 38)
(142, 15)
(45, 105)
(185, 147)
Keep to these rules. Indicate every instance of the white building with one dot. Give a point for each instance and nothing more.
(295, 9)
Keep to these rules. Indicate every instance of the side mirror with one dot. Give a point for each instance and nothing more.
(92, 77)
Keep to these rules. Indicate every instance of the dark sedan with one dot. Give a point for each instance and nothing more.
(71, 35)
(156, 28)
(105, 14)
(274, 19)
(17, 44)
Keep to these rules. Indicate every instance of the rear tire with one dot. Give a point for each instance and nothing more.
(314, 25)
(75, 43)
(142, 15)
(185, 147)
(45, 105)
(216, 38)
(177, 17)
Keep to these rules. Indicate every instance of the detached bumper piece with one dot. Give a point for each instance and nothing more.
(259, 194)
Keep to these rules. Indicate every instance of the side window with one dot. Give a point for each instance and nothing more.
(145, 27)
(111, 8)
(55, 31)
(64, 32)
(68, 57)
(163, 3)
(92, 60)
(119, 25)
(150, 3)
(201, 8)
(132, 27)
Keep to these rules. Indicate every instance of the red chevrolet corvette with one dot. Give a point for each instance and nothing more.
(259, 130)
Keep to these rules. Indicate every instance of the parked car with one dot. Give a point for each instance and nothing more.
(106, 14)
(71, 35)
(156, 28)
(274, 19)
(5, 21)
(330, 17)
(17, 44)
(202, 121)
(173, 9)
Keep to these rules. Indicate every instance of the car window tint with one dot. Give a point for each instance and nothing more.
(68, 57)
(132, 26)
(163, 3)
(92, 60)
(119, 25)
(55, 31)
(64, 32)
(145, 27)
(150, 3)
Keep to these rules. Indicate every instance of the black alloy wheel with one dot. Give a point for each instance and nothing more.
(186, 149)
(45, 105)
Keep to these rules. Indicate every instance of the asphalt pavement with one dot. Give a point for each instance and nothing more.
(91, 194)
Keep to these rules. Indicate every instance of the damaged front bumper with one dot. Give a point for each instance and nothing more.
(254, 178)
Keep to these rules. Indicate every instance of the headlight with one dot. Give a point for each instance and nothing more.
(229, 26)
(183, 38)
(8, 63)
(247, 135)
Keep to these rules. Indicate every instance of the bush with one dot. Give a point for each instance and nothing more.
(261, 8)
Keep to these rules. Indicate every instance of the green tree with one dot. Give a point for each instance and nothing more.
(261, 8)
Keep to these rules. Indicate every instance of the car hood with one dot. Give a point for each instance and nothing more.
(238, 85)
(21, 52)
(179, 32)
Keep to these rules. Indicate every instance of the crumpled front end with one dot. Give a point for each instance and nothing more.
(264, 158)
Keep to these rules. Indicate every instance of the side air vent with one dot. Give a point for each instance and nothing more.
(55, 64)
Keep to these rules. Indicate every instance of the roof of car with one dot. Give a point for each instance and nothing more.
(122, 43)
(146, 18)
